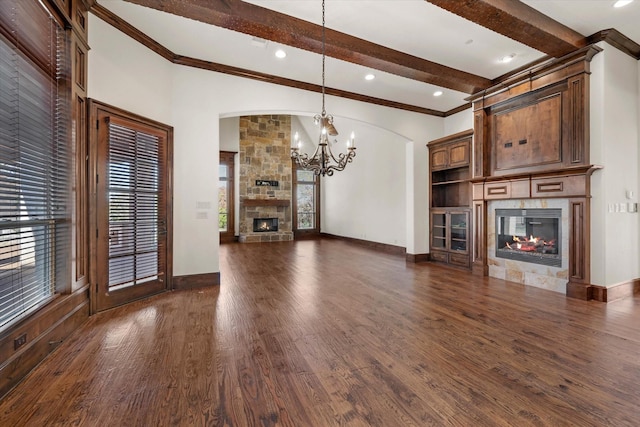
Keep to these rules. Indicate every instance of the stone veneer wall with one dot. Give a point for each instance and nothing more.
(540, 276)
(265, 154)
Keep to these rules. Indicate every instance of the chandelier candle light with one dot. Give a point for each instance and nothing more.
(323, 162)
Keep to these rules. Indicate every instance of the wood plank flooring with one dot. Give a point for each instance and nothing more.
(327, 333)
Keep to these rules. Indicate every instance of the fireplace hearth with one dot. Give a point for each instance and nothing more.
(263, 225)
(529, 235)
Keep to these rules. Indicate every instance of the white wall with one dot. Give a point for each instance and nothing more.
(458, 122)
(614, 144)
(368, 199)
(125, 74)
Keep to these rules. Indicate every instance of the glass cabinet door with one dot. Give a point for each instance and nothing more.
(439, 230)
(459, 227)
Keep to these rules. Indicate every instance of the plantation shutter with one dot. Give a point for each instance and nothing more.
(135, 197)
(34, 158)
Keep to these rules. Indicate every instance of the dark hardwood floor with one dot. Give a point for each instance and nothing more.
(327, 333)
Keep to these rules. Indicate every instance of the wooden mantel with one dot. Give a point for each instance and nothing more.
(265, 202)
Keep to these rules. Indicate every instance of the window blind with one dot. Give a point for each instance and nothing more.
(34, 158)
(134, 199)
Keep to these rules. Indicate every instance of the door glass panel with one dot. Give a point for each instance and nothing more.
(133, 193)
(439, 231)
(458, 232)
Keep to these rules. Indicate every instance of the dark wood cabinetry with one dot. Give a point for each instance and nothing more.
(450, 236)
(449, 168)
(531, 141)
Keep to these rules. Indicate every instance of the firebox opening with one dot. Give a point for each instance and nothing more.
(261, 225)
(529, 235)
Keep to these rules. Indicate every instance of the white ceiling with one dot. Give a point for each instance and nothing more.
(414, 27)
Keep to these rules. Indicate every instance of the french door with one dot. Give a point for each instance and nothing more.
(133, 208)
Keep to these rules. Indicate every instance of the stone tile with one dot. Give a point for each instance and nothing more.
(514, 276)
(497, 272)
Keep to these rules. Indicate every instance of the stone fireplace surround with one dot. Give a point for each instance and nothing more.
(265, 156)
(568, 190)
(540, 276)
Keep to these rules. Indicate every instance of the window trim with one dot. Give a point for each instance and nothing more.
(228, 158)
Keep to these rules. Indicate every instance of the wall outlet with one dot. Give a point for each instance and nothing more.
(20, 341)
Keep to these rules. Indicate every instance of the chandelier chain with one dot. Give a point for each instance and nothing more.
(323, 162)
(323, 58)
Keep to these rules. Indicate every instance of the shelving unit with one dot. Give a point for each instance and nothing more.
(449, 170)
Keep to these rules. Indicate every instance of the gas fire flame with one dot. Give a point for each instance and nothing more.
(530, 244)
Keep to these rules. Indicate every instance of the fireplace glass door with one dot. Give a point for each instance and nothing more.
(529, 235)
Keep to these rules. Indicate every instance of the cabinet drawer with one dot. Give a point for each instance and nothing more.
(512, 189)
(439, 256)
(564, 186)
(461, 260)
(497, 190)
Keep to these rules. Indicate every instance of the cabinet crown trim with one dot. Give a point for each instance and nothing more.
(452, 138)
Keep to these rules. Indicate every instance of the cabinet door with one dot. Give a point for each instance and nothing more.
(459, 232)
(459, 154)
(439, 158)
(439, 230)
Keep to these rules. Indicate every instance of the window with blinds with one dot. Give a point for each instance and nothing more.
(134, 197)
(34, 159)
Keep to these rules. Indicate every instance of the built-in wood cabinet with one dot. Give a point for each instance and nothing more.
(531, 141)
(450, 196)
(450, 236)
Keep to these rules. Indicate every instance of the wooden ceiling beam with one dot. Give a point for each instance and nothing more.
(260, 22)
(128, 29)
(519, 22)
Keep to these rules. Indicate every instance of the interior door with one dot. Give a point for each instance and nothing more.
(132, 210)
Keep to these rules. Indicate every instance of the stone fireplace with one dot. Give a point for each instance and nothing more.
(265, 179)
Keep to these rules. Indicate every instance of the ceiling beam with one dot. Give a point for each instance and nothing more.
(519, 22)
(260, 22)
(128, 29)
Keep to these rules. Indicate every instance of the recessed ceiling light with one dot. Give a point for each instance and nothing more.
(369, 76)
(281, 54)
(437, 93)
(508, 58)
(621, 3)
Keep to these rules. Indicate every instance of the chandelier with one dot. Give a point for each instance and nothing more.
(323, 161)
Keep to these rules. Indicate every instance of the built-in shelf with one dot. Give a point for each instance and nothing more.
(450, 173)
(265, 202)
